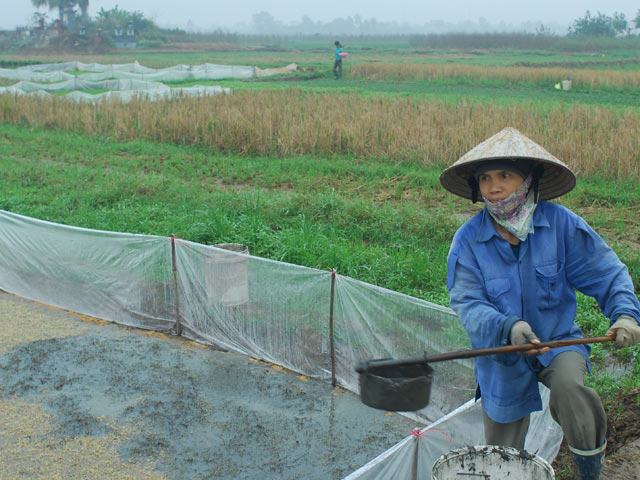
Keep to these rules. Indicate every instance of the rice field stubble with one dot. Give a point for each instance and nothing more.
(592, 140)
(497, 75)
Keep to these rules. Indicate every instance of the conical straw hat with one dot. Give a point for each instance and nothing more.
(508, 144)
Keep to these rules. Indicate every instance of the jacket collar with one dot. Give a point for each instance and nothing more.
(487, 230)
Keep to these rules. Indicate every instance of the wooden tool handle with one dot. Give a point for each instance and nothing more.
(515, 348)
(365, 366)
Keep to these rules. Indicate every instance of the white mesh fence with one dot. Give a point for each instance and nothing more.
(270, 310)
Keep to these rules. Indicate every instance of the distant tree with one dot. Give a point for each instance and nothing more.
(52, 5)
(306, 24)
(84, 8)
(619, 23)
(543, 31)
(636, 20)
(343, 25)
(39, 19)
(264, 22)
(62, 5)
(108, 20)
(600, 25)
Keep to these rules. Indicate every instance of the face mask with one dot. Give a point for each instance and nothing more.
(515, 212)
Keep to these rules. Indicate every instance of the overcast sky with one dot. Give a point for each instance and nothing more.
(227, 14)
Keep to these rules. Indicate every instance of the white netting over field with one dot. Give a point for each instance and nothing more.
(128, 90)
(53, 72)
(126, 80)
(270, 310)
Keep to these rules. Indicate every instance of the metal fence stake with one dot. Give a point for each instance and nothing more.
(331, 340)
(175, 284)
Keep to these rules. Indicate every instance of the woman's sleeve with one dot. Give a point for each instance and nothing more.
(594, 269)
(484, 323)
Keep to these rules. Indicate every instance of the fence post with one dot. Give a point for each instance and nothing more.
(332, 349)
(414, 464)
(175, 284)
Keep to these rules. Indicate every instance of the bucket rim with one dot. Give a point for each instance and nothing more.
(233, 247)
(495, 449)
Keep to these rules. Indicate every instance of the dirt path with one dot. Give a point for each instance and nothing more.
(83, 399)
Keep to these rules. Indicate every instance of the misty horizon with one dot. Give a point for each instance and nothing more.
(265, 23)
(338, 16)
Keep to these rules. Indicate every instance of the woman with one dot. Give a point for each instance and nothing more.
(337, 62)
(513, 270)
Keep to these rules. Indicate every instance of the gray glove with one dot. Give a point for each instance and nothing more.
(626, 331)
(521, 333)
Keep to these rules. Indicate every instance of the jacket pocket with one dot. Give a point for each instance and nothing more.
(549, 279)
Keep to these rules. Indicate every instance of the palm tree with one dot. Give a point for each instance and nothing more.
(84, 7)
(62, 5)
(52, 4)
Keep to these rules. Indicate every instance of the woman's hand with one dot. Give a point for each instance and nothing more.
(626, 332)
(521, 334)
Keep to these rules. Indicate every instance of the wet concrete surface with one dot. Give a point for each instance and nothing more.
(81, 398)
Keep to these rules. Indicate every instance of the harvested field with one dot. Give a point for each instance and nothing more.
(276, 124)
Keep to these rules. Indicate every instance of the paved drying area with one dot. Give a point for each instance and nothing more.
(85, 399)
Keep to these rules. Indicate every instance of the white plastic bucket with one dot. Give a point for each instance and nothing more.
(566, 84)
(227, 275)
(489, 462)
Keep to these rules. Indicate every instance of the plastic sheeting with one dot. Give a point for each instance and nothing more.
(27, 75)
(270, 310)
(57, 72)
(130, 89)
(206, 70)
(118, 277)
(79, 83)
(126, 81)
(414, 456)
(85, 67)
(398, 326)
(125, 96)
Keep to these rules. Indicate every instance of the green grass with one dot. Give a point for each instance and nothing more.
(441, 90)
(316, 53)
(307, 211)
(388, 224)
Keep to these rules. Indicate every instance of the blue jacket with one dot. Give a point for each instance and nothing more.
(490, 289)
(337, 53)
